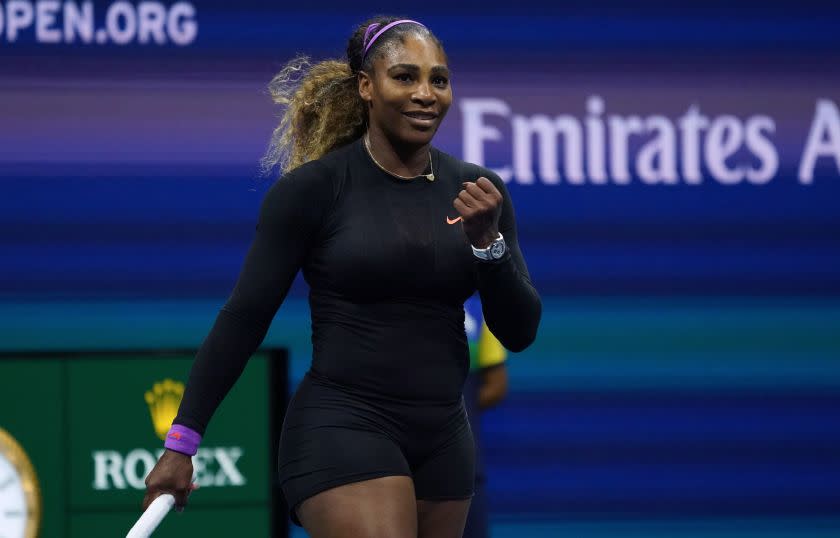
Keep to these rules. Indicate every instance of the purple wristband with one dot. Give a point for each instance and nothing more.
(182, 439)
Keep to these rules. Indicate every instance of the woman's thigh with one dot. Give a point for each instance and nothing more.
(442, 519)
(377, 508)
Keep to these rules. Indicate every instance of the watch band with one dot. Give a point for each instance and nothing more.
(493, 252)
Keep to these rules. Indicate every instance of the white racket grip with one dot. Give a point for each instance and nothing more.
(152, 517)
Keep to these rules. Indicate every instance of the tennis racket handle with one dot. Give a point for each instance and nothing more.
(152, 517)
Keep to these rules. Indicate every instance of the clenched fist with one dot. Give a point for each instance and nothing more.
(480, 204)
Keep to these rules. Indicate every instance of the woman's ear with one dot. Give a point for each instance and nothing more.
(365, 87)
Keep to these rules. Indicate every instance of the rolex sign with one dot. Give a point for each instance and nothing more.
(215, 466)
(92, 427)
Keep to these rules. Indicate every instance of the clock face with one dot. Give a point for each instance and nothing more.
(13, 509)
(20, 497)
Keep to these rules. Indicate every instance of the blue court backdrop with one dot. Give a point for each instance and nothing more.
(675, 169)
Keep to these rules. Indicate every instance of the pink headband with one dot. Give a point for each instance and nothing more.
(376, 25)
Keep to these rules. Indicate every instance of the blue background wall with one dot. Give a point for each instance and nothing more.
(685, 381)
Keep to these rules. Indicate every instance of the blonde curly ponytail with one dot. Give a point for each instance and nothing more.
(323, 111)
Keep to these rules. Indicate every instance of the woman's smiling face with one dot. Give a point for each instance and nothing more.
(409, 91)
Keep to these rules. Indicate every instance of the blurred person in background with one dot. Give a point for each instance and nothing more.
(392, 236)
(486, 387)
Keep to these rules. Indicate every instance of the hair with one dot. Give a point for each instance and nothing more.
(323, 109)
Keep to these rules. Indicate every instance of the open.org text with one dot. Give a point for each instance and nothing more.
(122, 23)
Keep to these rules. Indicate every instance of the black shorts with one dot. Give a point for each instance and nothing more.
(332, 436)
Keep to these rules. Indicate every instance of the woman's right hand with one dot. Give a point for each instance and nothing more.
(172, 474)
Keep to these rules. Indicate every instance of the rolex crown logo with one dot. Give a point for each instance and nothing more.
(163, 400)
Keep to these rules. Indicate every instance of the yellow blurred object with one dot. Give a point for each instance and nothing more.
(490, 350)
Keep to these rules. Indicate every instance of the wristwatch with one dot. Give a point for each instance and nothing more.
(493, 252)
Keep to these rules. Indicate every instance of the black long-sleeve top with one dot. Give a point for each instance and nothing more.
(388, 277)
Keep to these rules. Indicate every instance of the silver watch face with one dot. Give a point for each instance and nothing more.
(497, 250)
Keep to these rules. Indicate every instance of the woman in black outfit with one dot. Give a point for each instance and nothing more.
(392, 236)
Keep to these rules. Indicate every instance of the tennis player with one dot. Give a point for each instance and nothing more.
(392, 236)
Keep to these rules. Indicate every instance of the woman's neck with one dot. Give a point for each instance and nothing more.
(408, 161)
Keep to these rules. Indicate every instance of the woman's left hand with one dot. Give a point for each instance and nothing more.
(480, 204)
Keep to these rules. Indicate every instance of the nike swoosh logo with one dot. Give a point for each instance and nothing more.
(453, 221)
(175, 435)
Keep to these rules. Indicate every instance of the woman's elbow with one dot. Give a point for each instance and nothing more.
(523, 338)
(523, 335)
(520, 342)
